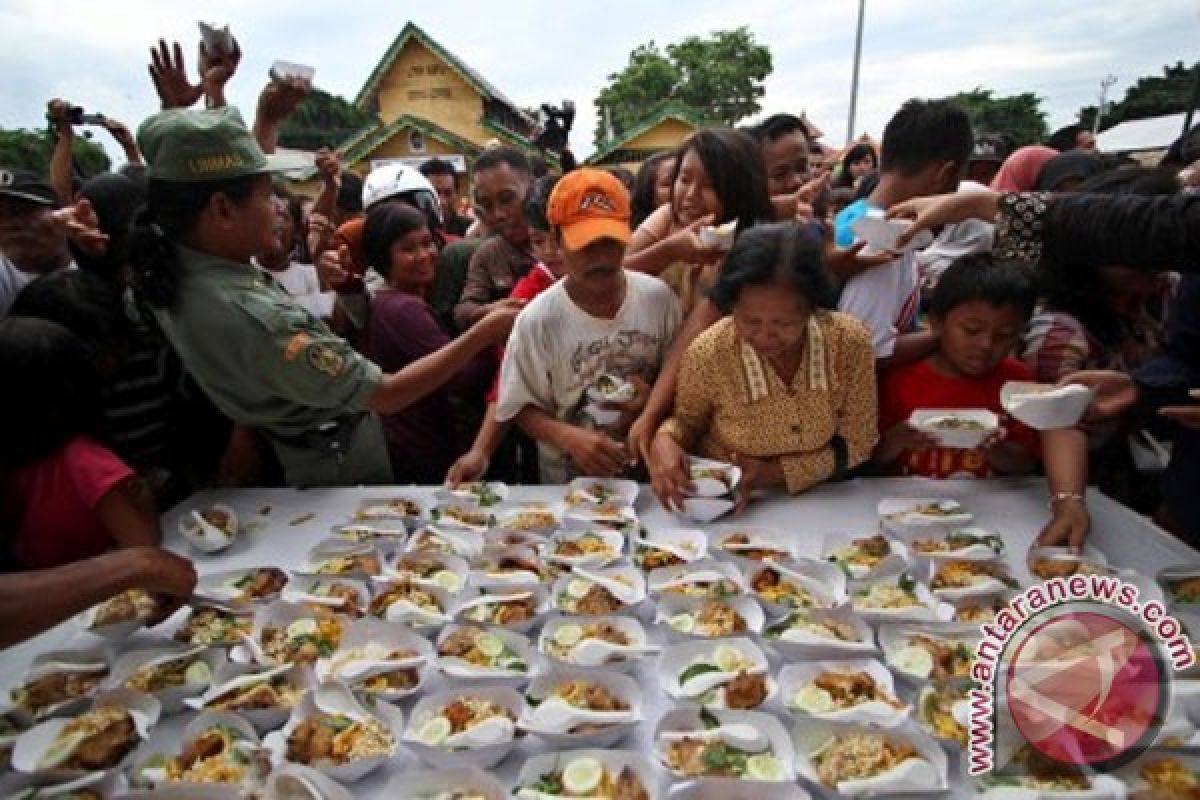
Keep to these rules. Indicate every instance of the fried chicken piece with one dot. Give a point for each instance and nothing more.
(765, 580)
(628, 787)
(459, 643)
(597, 601)
(310, 741)
(686, 756)
(459, 714)
(204, 746)
(746, 691)
(514, 612)
(266, 581)
(876, 546)
(105, 749)
(257, 698)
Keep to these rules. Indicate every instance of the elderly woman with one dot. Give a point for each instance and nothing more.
(782, 385)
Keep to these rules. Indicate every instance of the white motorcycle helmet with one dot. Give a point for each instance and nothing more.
(404, 183)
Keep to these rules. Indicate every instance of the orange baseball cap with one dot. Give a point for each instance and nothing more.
(589, 204)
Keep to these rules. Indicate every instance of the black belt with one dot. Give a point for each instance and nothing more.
(330, 438)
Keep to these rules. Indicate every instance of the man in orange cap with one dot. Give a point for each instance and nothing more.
(582, 355)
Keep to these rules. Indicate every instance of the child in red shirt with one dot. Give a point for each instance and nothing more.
(65, 496)
(978, 312)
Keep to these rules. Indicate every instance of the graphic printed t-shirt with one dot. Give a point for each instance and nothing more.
(557, 352)
(919, 386)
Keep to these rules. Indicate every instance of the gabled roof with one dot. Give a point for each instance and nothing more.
(413, 31)
(663, 112)
(360, 146)
(363, 142)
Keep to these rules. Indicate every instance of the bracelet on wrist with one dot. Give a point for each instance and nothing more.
(1061, 497)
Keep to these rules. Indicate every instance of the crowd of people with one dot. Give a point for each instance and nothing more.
(187, 321)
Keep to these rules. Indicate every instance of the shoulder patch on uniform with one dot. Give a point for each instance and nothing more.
(326, 359)
(296, 345)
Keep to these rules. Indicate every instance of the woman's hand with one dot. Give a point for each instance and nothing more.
(757, 473)
(669, 476)
(932, 212)
(686, 245)
(1068, 526)
(470, 466)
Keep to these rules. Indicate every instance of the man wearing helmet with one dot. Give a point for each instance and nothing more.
(501, 182)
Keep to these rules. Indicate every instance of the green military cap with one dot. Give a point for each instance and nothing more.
(187, 146)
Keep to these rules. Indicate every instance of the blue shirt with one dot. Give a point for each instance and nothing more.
(845, 219)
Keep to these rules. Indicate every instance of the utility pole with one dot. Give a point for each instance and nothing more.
(862, 4)
(1106, 84)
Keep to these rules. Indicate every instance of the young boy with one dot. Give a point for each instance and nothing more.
(978, 312)
(600, 320)
(925, 149)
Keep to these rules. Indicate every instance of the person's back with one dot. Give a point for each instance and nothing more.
(925, 148)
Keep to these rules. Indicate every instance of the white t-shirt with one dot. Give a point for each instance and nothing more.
(886, 299)
(302, 283)
(557, 352)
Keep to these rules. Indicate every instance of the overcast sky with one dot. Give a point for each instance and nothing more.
(94, 52)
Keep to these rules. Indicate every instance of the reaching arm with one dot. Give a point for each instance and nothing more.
(123, 137)
(909, 347)
(399, 390)
(472, 464)
(31, 602)
(60, 159)
(1064, 453)
(662, 396)
(127, 512)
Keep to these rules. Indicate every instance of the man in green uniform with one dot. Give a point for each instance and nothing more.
(264, 361)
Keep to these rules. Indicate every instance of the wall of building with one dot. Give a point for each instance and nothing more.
(421, 84)
(666, 134)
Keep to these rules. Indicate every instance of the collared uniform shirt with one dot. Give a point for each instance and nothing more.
(729, 400)
(266, 362)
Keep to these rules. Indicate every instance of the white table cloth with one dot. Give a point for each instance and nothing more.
(1015, 508)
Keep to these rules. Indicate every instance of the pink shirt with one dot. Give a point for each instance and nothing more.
(58, 497)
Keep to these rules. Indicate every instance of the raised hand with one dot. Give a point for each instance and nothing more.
(279, 99)
(216, 68)
(169, 74)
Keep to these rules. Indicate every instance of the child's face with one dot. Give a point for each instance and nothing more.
(693, 195)
(546, 250)
(975, 337)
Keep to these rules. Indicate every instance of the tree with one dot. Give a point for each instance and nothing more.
(1150, 96)
(26, 149)
(323, 119)
(1018, 115)
(720, 77)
